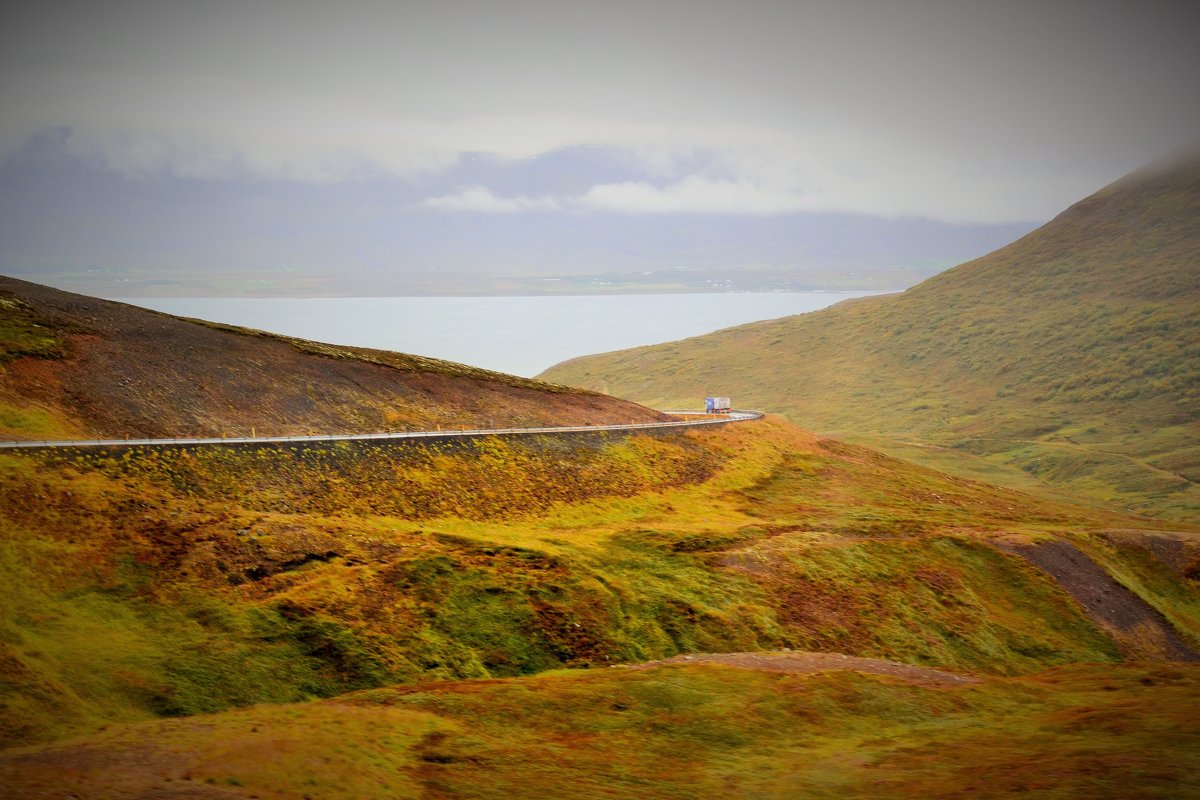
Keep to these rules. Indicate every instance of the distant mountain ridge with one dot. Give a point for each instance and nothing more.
(75, 367)
(1073, 353)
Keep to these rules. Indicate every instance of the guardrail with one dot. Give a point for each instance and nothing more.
(732, 416)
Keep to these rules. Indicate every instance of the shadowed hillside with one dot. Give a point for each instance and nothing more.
(74, 366)
(1072, 354)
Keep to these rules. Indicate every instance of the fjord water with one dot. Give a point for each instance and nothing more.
(517, 335)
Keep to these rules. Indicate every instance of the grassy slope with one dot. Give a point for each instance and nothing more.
(678, 732)
(1072, 354)
(74, 366)
(138, 584)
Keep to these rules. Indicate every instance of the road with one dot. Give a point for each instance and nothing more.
(732, 416)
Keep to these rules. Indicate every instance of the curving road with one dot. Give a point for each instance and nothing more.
(732, 416)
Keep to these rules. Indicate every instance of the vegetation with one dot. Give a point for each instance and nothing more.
(143, 583)
(22, 335)
(1072, 355)
(670, 732)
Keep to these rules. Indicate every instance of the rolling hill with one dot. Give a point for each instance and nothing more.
(863, 607)
(1072, 354)
(391, 618)
(78, 367)
(752, 731)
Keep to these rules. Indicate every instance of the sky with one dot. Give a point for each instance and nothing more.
(963, 113)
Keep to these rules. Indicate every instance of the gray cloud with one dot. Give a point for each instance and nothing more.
(956, 111)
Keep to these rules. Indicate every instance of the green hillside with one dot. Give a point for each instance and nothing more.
(756, 731)
(1072, 354)
(139, 583)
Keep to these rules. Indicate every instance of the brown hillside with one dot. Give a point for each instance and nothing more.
(75, 366)
(1073, 353)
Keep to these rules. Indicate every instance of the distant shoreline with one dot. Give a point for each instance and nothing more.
(130, 298)
(515, 334)
(117, 284)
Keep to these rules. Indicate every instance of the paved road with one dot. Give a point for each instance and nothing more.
(732, 416)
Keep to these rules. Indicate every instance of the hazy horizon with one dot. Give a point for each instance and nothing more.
(186, 146)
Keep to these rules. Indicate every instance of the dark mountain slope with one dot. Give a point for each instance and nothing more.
(1073, 353)
(72, 365)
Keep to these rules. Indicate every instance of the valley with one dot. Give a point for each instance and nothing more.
(646, 400)
(983, 579)
(143, 584)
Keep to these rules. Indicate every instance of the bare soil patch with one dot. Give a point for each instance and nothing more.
(1138, 629)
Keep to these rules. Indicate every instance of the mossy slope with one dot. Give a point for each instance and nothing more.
(671, 732)
(175, 582)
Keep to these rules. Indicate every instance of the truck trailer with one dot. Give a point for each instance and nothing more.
(716, 405)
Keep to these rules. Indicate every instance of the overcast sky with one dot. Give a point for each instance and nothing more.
(957, 111)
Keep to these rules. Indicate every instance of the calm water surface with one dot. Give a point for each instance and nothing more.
(517, 335)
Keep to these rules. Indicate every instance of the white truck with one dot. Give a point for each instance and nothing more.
(716, 405)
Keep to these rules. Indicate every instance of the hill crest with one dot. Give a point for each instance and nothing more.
(76, 366)
(1072, 353)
